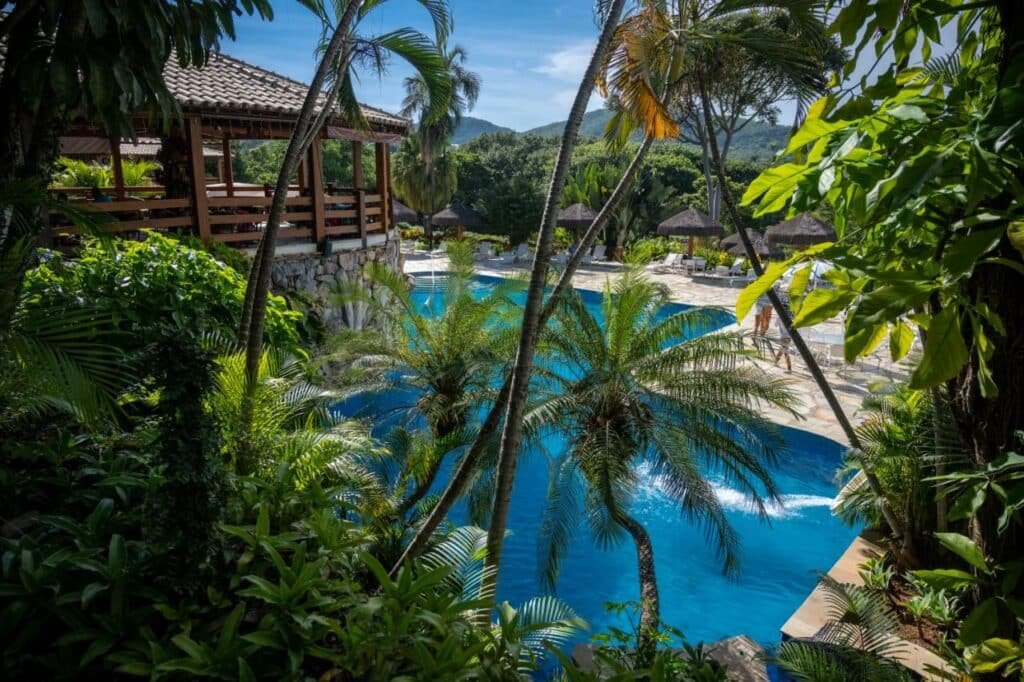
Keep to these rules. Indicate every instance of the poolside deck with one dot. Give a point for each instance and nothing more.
(850, 382)
(813, 614)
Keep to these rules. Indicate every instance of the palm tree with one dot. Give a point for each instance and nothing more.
(645, 388)
(345, 50)
(424, 188)
(450, 361)
(433, 132)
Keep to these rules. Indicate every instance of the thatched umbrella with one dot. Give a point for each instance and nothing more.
(458, 215)
(761, 247)
(400, 213)
(576, 217)
(734, 239)
(801, 230)
(690, 223)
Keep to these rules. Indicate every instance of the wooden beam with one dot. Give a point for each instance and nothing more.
(383, 189)
(357, 165)
(115, 163)
(361, 214)
(197, 179)
(229, 171)
(316, 185)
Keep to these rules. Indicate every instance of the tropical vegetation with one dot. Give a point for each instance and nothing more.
(180, 500)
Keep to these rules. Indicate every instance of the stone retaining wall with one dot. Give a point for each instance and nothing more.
(317, 275)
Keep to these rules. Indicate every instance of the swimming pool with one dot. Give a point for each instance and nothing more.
(780, 559)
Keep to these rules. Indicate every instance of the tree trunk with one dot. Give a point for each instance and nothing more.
(469, 462)
(787, 321)
(650, 606)
(509, 449)
(255, 313)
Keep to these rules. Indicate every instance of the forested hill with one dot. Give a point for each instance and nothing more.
(471, 128)
(756, 142)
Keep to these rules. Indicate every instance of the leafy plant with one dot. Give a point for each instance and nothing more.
(877, 574)
(76, 173)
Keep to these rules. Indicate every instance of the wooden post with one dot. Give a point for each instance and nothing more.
(381, 162)
(115, 162)
(357, 165)
(361, 214)
(303, 175)
(197, 179)
(229, 171)
(316, 185)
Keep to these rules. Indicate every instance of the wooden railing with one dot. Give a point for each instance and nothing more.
(238, 220)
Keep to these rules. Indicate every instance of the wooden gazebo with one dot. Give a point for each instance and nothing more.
(227, 100)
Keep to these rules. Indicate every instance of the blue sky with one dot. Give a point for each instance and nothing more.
(529, 53)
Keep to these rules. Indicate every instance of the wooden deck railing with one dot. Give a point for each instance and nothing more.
(237, 220)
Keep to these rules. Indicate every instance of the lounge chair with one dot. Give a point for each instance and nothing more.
(695, 266)
(737, 267)
(441, 250)
(507, 257)
(599, 252)
(483, 251)
(671, 260)
(560, 258)
(522, 252)
(588, 257)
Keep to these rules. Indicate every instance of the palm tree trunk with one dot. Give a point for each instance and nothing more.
(520, 381)
(787, 321)
(469, 462)
(256, 311)
(650, 605)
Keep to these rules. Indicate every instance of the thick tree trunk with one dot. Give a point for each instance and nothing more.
(787, 321)
(509, 449)
(469, 462)
(650, 605)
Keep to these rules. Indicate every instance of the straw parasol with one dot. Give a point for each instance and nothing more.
(690, 223)
(801, 230)
(576, 217)
(734, 240)
(400, 213)
(761, 247)
(458, 215)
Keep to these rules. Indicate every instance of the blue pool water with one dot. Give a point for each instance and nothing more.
(780, 558)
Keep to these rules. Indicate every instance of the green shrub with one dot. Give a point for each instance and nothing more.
(158, 281)
(714, 257)
(652, 249)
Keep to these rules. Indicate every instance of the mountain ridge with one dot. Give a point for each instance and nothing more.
(757, 140)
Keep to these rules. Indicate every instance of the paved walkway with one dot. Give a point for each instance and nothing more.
(851, 383)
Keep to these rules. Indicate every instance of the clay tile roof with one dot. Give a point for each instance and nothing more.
(233, 85)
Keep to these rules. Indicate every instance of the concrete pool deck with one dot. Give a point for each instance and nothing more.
(851, 383)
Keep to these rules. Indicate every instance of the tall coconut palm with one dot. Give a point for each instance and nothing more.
(433, 132)
(644, 388)
(344, 50)
(449, 360)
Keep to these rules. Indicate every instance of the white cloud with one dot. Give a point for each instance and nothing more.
(569, 63)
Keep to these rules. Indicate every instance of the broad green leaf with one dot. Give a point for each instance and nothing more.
(992, 654)
(944, 351)
(962, 254)
(774, 187)
(756, 289)
(823, 304)
(901, 340)
(980, 623)
(812, 130)
(798, 284)
(946, 579)
(909, 112)
(862, 340)
(968, 504)
(963, 547)
(1015, 232)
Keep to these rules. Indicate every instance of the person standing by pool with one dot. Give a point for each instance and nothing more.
(764, 316)
(784, 341)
